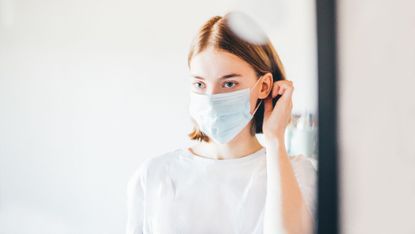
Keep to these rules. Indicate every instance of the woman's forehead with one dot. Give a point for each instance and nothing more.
(216, 65)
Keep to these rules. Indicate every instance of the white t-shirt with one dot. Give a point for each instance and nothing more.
(182, 193)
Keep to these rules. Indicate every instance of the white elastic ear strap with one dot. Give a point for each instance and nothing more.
(259, 101)
(257, 107)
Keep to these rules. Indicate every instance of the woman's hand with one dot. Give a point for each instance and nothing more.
(276, 119)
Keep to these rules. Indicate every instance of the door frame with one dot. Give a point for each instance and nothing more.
(327, 192)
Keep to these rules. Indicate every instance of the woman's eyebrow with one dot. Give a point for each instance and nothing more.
(223, 77)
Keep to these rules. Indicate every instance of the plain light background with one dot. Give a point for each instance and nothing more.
(377, 109)
(88, 89)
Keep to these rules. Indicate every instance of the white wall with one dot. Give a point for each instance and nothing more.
(88, 89)
(377, 109)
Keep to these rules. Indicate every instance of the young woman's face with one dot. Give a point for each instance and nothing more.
(217, 71)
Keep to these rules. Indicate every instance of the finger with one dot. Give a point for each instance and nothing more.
(288, 92)
(275, 89)
(286, 88)
(282, 90)
(282, 86)
(284, 82)
(278, 85)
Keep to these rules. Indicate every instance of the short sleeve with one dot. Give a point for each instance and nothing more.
(305, 170)
(136, 187)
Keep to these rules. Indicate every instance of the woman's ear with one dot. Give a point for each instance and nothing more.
(266, 86)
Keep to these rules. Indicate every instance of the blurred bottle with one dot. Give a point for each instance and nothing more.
(301, 135)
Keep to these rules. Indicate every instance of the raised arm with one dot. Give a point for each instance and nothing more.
(285, 208)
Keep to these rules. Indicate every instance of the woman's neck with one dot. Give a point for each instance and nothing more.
(242, 145)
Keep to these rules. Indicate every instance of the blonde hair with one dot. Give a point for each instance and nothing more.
(263, 58)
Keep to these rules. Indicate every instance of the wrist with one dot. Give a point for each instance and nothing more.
(276, 148)
(278, 141)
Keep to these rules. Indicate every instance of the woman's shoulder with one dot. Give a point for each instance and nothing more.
(154, 163)
(305, 170)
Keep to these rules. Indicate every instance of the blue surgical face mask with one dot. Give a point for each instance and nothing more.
(222, 116)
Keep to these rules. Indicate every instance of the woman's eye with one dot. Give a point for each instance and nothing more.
(198, 85)
(229, 84)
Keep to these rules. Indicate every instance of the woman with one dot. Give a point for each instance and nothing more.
(227, 182)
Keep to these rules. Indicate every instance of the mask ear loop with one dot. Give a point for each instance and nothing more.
(260, 102)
